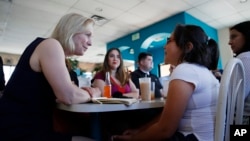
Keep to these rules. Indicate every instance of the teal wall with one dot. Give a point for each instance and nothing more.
(164, 26)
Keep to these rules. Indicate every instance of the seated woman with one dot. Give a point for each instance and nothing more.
(120, 80)
(40, 79)
(190, 108)
(239, 41)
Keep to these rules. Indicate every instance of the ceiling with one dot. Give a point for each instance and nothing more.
(21, 21)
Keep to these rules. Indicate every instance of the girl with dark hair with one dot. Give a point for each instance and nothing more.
(240, 45)
(190, 106)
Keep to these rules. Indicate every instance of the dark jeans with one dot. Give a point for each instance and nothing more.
(115, 123)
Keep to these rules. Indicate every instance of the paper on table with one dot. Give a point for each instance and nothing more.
(104, 100)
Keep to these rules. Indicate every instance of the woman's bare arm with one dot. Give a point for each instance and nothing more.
(134, 91)
(49, 58)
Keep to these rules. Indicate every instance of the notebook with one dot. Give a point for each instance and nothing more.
(104, 100)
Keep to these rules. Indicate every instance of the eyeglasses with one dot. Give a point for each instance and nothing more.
(170, 40)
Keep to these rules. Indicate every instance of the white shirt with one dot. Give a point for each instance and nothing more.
(245, 58)
(199, 117)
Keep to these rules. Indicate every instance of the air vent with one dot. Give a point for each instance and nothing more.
(99, 20)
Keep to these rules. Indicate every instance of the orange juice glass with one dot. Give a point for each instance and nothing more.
(107, 91)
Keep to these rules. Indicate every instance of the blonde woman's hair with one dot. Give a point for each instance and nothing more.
(67, 27)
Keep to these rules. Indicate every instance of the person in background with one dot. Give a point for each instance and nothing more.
(41, 78)
(239, 41)
(190, 108)
(120, 80)
(2, 80)
(72, 73)
(145, 65)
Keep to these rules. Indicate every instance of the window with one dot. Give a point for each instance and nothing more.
(8, 70)
(164, 70)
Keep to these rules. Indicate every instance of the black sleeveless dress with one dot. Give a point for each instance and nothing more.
(26, 108)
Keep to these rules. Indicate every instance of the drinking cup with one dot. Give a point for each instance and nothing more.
(152, 90)
(165, 88)
(145, 88)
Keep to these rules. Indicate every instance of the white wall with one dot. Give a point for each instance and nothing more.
(225, 50)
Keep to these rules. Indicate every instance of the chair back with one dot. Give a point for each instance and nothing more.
(231, 99)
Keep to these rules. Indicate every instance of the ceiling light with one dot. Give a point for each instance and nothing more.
(100, 54)
(99, 20)
(243, 1)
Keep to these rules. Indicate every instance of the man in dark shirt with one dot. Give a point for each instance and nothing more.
(145, 65)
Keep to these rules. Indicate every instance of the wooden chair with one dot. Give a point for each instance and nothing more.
(231, 99)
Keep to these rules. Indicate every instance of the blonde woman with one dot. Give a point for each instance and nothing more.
(41, 78)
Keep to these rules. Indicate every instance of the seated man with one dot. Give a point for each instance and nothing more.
(145, 65)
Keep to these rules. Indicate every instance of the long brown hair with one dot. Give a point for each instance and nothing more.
(121, 73)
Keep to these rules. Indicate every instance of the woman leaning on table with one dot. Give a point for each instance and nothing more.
(40, 79)
(190, 108)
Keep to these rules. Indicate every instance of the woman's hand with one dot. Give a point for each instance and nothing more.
(93, 92)
(127, 135)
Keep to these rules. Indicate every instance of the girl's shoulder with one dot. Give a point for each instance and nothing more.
(99, 75)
